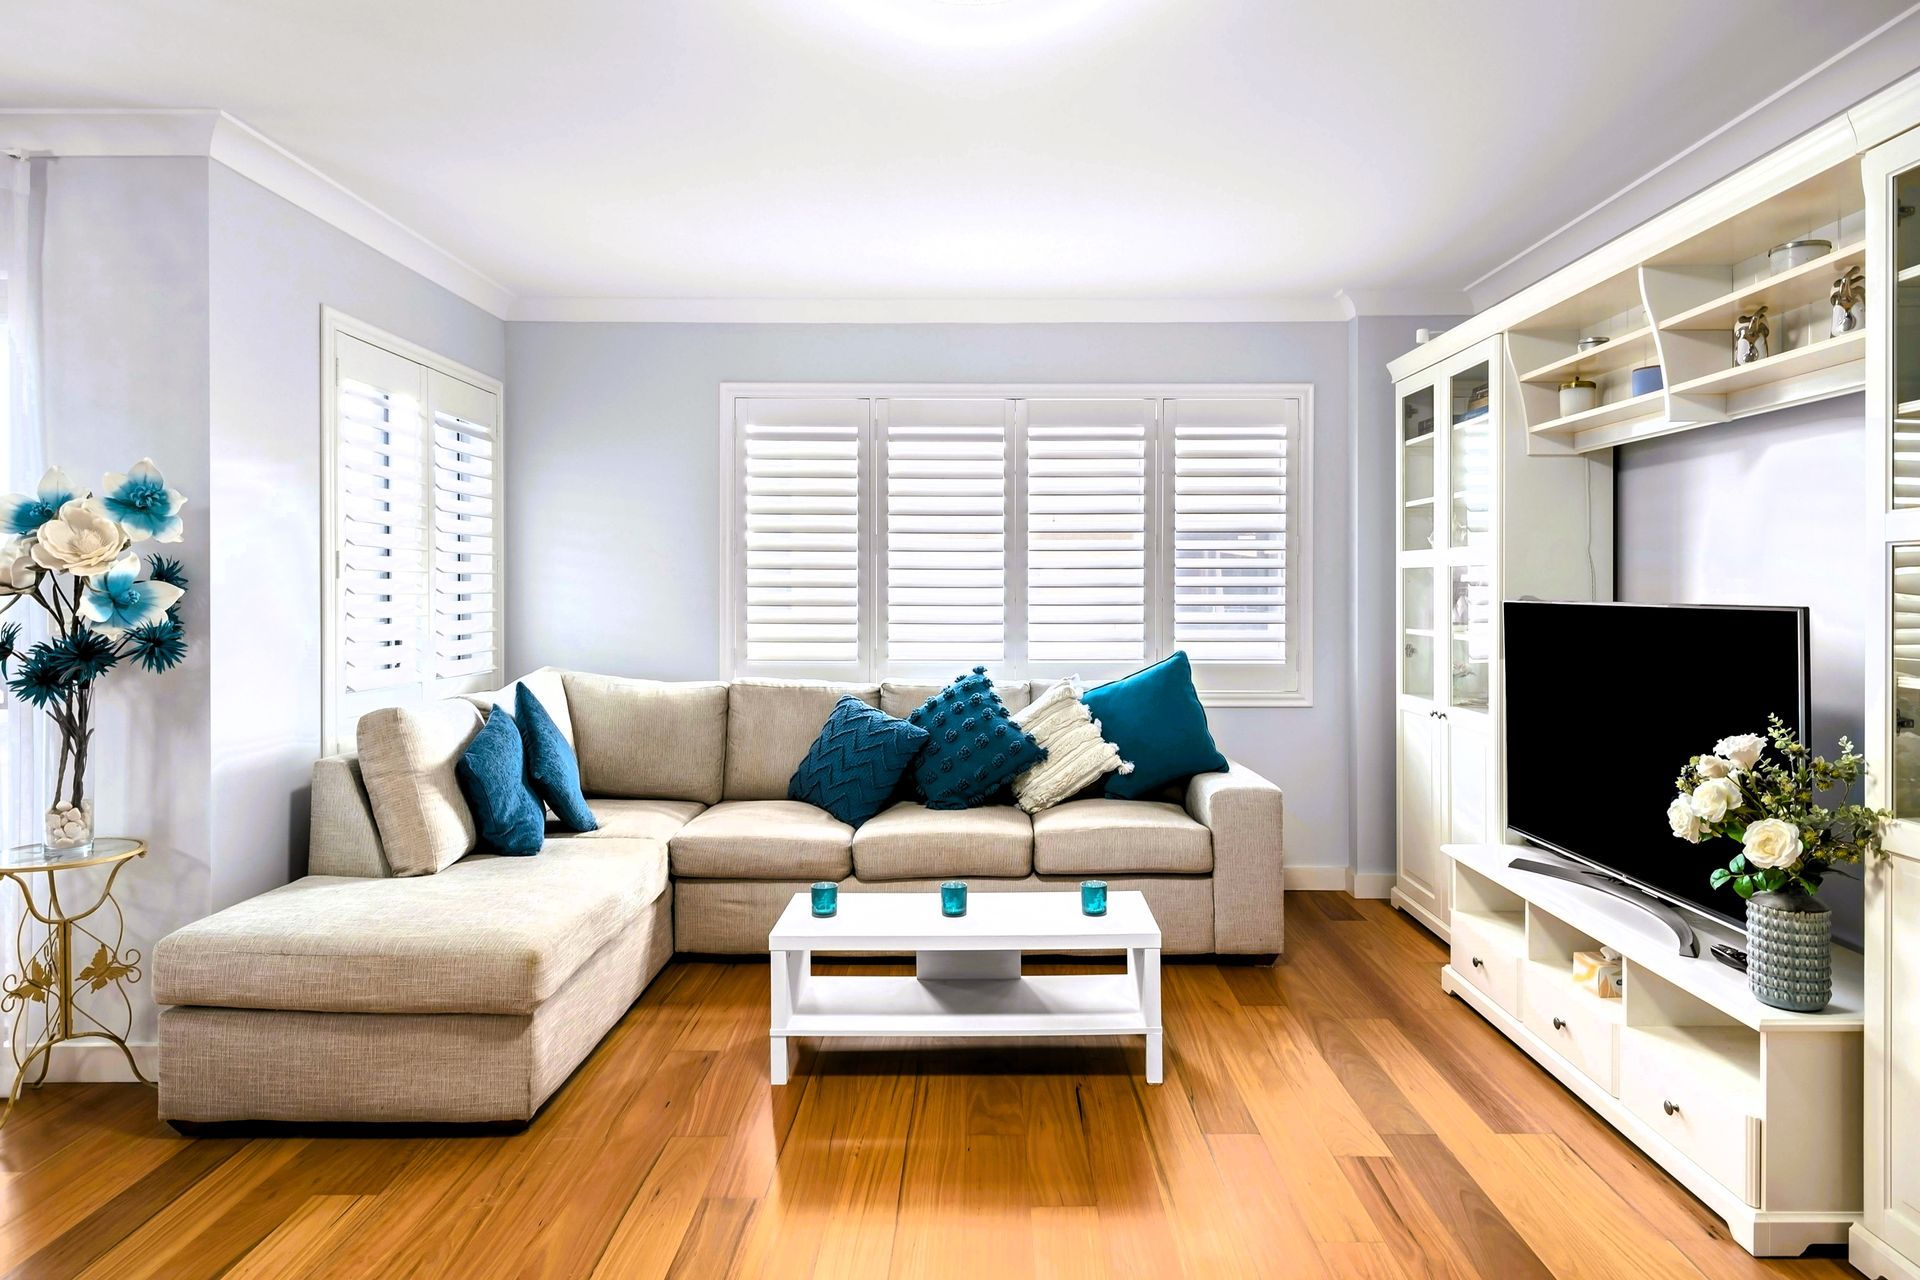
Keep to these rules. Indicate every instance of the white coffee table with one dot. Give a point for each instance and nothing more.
(967, 980)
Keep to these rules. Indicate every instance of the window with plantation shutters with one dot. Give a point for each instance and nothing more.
(912, 532)
(411, 504)
(799, 478)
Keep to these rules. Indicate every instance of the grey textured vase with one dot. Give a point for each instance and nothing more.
(1789, 951)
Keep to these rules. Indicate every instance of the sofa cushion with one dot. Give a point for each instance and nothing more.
(546, 684)
(1077, 756)
(770, 726)
(899, 700)
(973, 750)
(553, 771)
(407, 756)
(1119, 838)
(910, 841)
(854, 765)
(637, 819)
(1154, 716)
(763, 840)
(649, 739)
(492, 772)
(487, 935)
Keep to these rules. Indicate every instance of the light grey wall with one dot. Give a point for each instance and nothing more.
(273, 266)
(613, 525)
(1766, 510)
(1373, 551)
(125, 349)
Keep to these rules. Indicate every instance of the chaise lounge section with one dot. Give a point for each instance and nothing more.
(410, 979)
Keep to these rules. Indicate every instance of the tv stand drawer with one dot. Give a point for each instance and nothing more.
(1486, 954)
(1573, 1022)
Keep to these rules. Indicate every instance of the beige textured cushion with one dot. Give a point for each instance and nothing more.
(634, 819)
(1077, 756)
(649, 739)
(909, 841)
(341, 837)
(763, 840)
(406, 761)
(546, 684)
(770, 725)
(898, 700)
(487, 935)
(1119, 837)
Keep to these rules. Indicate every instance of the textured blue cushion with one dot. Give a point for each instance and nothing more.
(552, 771)
(853, 766)
(493, 777)
(1155, 718)
(974, 749)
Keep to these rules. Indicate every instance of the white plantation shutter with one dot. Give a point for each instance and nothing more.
(381, 551)
(946, 529)
(1087, 529)
(466, 622)
(413, 505)
(799, 467)
(1230, 481)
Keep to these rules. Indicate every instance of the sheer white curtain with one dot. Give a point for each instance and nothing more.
(23, 746)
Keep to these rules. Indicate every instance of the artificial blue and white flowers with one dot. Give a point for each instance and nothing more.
(67, 551)
(22, 514)
(117, 601)
(142, 503)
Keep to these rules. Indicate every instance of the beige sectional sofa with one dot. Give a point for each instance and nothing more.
(408, 978)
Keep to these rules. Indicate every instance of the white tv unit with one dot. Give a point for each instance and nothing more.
(1755, 1110)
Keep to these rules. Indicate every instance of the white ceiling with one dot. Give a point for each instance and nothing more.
(928, 149)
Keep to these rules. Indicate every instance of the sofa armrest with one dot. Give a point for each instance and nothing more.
(342, 837)
(1245, 814)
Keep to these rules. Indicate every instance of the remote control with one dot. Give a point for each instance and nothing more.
(1726, 955)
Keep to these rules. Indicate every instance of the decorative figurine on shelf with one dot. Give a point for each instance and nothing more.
(1794, 816)
(1849, 299)
(71, 553)
(1750, 337)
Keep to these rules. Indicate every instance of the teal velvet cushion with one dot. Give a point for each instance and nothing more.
(853, 766)
(974, 749)
(492, 773)
(552, 771)
(1155, 718)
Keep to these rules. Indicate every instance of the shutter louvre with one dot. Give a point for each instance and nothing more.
(946, 529)
(383, 556)
(800, 481)
(1230, 484)
(1087, 529)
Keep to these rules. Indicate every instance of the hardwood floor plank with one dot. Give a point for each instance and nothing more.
(712, 1239)
(1423, 1244)
(651, 1231)
(1273, 1238)
(1490, 1241)
(1200, 1013)
(1066, 1243)
(296, 1244)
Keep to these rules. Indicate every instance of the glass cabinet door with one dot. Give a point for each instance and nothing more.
(1417, 632)
(1905, 347)
(1470, 636)
(1469, 459)
(1417, 493)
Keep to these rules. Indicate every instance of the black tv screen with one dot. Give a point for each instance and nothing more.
(1605, 703)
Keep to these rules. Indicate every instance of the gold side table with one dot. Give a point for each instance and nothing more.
(47, 976)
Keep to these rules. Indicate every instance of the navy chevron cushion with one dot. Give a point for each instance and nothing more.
(853, 766)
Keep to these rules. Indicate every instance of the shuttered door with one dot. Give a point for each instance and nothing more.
(1086, 513)
(800, 494)
(945, 529)
(1230, 527)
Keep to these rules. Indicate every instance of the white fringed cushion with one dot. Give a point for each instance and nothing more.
(1077, 756)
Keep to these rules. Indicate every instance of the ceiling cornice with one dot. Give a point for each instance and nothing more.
(218, 136)
(1403, 302)
(927, 310)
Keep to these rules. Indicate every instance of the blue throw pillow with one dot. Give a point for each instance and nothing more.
(492, 772)
(853, 766)
(974, 749)
(552, 770)
(1155, 718)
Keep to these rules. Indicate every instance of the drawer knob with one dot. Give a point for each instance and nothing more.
(1478, 963)
(1559, 1024)
(1671, 1108)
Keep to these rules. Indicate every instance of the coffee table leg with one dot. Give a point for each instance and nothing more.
(780, 1059)
(1145, 963)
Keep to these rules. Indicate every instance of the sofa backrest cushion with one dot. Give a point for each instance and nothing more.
(407, 757)
(900, 700)
(649, 739)
(771, 724)
(546, 684)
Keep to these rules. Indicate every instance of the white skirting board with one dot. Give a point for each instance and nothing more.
(1307, 879)
(87, 1062)
(1870, 1254)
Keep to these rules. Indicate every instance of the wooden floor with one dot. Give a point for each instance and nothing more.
(1335, 1115)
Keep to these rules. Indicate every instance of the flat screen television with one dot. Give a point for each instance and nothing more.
(1604, 705)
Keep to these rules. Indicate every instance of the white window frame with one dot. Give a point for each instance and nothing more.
(1287, 684)
(335, 736)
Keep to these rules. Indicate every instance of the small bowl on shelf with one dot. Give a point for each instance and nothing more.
(1577, 395)
(1593, 343)
(1644, 379)
(1794, 253)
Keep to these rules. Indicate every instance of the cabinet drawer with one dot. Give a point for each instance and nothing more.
(1487, 959)
(1575, 1023)
(1691, 1110)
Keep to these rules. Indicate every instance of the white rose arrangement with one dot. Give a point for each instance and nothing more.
(1765, 792)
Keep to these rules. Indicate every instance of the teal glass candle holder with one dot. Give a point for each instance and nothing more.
(826, 898)
(1093, 897)
(953, 898)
